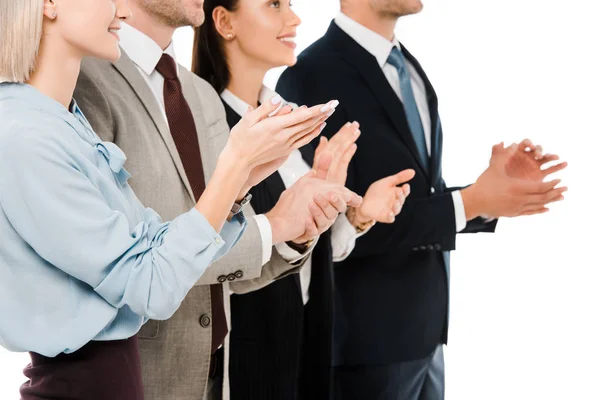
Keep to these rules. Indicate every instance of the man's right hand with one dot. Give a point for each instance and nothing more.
(292, 214)
(500, 193)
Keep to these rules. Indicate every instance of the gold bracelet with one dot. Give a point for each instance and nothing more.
(360, 227)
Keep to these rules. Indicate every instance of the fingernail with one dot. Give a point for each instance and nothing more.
(276, 100)
(334, 104)
(347, 125)
(323, 125)
(330, 113)
(357, 132)
(325, 108)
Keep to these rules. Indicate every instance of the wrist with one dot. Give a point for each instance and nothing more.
(472, 201)
(359, 221)
(356, 216)
(277, 225)
(300, 245)
(232, 156)
(243, 193)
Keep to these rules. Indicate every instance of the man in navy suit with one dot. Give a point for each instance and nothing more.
(391, 309)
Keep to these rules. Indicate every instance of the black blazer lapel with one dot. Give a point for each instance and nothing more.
(370, 71)
(267, 193)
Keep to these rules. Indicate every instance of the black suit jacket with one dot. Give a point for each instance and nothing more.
(392, 292)
(281, 349)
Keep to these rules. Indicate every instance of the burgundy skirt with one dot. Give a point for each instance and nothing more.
(98, 371)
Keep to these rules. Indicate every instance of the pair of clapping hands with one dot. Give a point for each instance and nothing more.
(514, 184)
(264, 139)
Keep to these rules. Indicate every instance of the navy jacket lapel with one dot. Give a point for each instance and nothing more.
(369, 69)
(436, 127)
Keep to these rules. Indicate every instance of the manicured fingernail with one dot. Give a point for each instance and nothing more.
(325, 108)
(276, 100)
(330, 113)
(323, 125)
(334, 104)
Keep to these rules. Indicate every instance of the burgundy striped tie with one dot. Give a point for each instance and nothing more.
(185, 136)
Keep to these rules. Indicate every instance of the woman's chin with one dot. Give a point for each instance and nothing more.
(111, 55)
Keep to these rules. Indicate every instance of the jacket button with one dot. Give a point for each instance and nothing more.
(239, 274)
(222, 278)
(205, 321)
(423, 248)
(415, 249)
(437, 247)
(231, 277)
(430, 247)
(432, 190)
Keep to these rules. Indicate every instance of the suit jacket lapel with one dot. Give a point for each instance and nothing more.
(273, 184)
(370, 71)
(209, 157)
(436, 127)
(139, 85)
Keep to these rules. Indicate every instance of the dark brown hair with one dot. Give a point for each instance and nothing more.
(208, 57)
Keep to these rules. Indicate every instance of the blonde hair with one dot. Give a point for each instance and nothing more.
(20, 36)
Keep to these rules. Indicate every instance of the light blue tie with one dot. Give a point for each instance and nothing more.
(410, 105)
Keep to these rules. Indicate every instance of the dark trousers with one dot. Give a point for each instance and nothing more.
(413, 380)
(98, 371)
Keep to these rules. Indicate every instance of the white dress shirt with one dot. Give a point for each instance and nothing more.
(145, 54)
(381, 48)
(343, 234)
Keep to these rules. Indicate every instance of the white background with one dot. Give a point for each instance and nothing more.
(524, 301)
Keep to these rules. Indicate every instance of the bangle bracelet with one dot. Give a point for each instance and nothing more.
(360, 227)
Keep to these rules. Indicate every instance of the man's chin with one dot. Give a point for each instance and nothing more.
(198, 21)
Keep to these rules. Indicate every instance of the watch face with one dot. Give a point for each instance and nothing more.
(237, 208)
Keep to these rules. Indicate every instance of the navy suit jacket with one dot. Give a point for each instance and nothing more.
(391, 302)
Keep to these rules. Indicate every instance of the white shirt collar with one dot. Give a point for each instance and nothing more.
(373, 42)
(142, 50)
(240, 106)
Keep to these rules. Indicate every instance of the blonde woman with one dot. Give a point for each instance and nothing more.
(82, 263)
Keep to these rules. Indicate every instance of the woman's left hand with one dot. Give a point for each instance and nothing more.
(333, 156)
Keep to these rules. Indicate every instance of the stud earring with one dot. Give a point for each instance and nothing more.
(229, 36)
(53, 15)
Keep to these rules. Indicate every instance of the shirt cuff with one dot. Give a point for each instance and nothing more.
(292, 256)
(459, 211)
(266, 236)
(343, 237)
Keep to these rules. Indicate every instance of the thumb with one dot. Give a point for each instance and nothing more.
(497, 148)
(401, 177)
(323, 164)
(255, 116)
(322, 144)
(319, 149)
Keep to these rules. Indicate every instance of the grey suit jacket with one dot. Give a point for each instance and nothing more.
(121, 108)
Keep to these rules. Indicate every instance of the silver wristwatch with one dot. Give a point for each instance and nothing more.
(239, 207)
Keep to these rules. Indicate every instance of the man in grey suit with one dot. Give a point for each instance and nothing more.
(133, 102)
